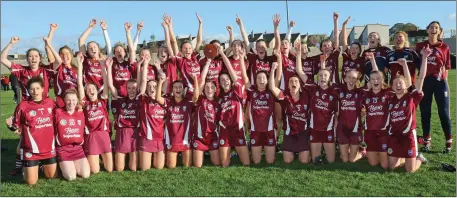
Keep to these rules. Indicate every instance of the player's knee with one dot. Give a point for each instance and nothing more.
(31, 181)
(256, 161)
(94, 170)
(270, 161)
(70, 177)
(226, 163)
(410, 169)
(385, 166)
(119, 168)
(304, 161)
(132, 167)
(170, 166)
(288, 160)
(50, 175)
(85, 174)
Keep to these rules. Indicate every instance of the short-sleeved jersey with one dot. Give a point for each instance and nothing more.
(69, 128)
(231, 104)
(35, 120)
(256, 64)
(402, 112)
(261, 109)
(23, 74)
(96, 116)
(440, 57)
(380, 54)
(92, 71)
(331, 63)
(187, 67)
(376, 107)
(236, 65)
(357, 64)
(122, 72)
(65, 78)
(177, 128)
(126, 112)
(206, 117)
(412, 59)
(152, 118)
(323, 106)
(310, 67)
(215, 68)
(171, 71)
(296, 113)
(350, 107)
(288, 70)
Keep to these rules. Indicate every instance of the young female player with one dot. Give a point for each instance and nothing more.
(34, 118)
(167, 64)
(96, 139)
(177, 129)
(435, 83)
(231, 117)
(323, 109)
(69, 124)
(401, 50)
(126, 115)
(380, 53)
(402, 110)
(351, 55)
(152, 114)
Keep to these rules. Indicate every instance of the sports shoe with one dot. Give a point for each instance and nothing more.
(446, 150)
(422, 158)
(448, 167)
(319, 159)
(16, 171)
(278, 148)
(420, 140)
(426, 148)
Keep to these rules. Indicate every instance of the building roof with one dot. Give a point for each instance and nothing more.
(293, 36)
(268, 37)
(254, 37)
(416, 33)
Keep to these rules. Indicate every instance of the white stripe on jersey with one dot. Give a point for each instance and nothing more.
(330, 125)
(356, 126)
(250, 117)
(270, 123)
(59, 89)
(53, 142)
(283, 84)
(148, 127)
(86, 130)
(240, 121)
(311, 121)
(409, 124)
(186, 135)
(199, 127)
(415, 141)
(287, 124)
(119, 120)
(57, 140)
(167, 137)
(387, 122)
(32, 142)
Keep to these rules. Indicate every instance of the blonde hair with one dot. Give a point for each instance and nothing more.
(384, 85)
(379, 38)
(406, 44)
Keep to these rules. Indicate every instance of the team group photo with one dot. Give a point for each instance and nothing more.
(228, 99)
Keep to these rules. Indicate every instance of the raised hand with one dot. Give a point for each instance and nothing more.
(347, 20)
(402, 62)
(162, 78)
(242, 53)
(46, 40)
(229, 28)
(103, 25)
(276, 20)
(14, 39)
(53, 26)
(274, 66)
(369, 56)
(335, 15)
(163, 24)
(156, 63)
(292, 23)
(277, 52)
(80, 59)
(199, 19)
(193, 76)
(140, 25)
(220, 50)
(92, 23)
(109, 62)
(238, 20)
(127, 26)
(426, 51)
(297, 47)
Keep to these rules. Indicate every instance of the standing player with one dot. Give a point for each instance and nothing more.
(152, 122)
(375, 102)
(167, 64)
(332, 52)
(34, 118)
(402, 111)
(231, 116)
(215, 67)
(96, 139)
(351, 56)
(380, 53)
(435, 83)
(69, 124)
(401, 50)
(24, 73)
(177, 130)
(125, 111)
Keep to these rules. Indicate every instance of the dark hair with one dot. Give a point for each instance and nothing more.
(131, 81)
(437, 22)
(360, 47)
(241, 43)
(34, 49)
(184, 42)
(211, 81)
(325, 40)
(65, 47)
(123, 47)
(215, 41)
(261, 71)
(36, 79)
(145, 48)
(219, 77)
(98, 45)
(176, 81)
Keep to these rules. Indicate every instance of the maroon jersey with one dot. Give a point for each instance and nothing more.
(357, 64)
(288, 70)
(65, 78)
(331, 63)
(23, 75)
(122, 72)
(186, 68)
(96, 116)
(310, 68)
(152, 120)
(440, 57)
(92, 71)
(69, 127)
(126, 112)
(323, 106)
(402, 112)
(412, 59)
(376, 107)
(256, 64)
(171, 71)
(261, 107)
(237, 67)
(350, 108)
(35, 120)
(296, 113)
(207, 117)
(178, 124)
(215, 68)
(231, 104)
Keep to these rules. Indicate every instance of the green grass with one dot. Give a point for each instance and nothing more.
(336, 179)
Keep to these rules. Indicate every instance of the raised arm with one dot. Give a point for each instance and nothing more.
(298, 64)
(199, 34)
(58, 60)
(370, 56)
(80, 59)
(83, 37)
(109, 70)
(423, 70)
(132, 55)
(167, 19)
(227, 63)
(196, 93)
(167, 40)
(105, 91)
(6, 50)
(156, 64)
(159, 97)
(406, 72)
(336, 42)
(139, 27)
(204, 74)
(108, 47)
(289, 30)
(278, 74)
(229, 49)
(243, 34)
(344, 34)
(244, 75)
(52, 29)
(271, 84)
(276, 20)
(142, 76)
